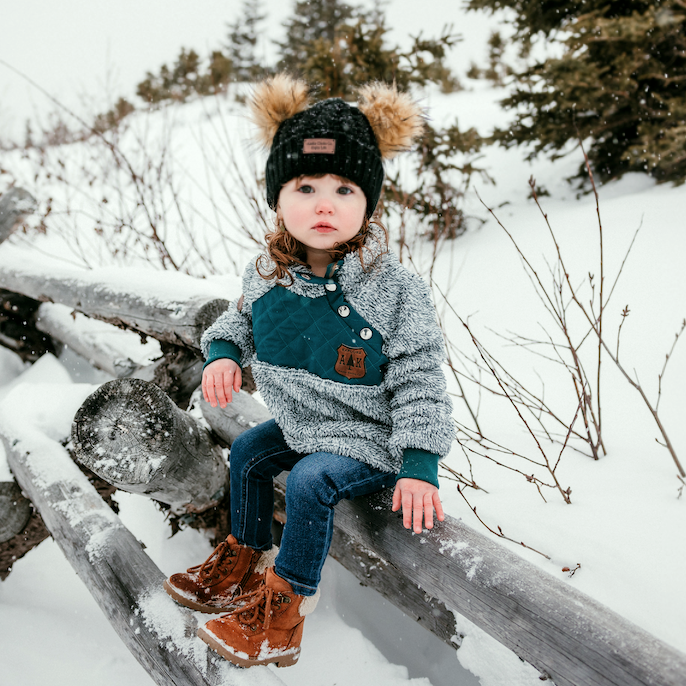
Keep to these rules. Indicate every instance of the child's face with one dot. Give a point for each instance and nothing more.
(321, 212)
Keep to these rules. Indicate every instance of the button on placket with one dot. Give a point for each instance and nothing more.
(331, 287)
(366, 334)
(344, 310)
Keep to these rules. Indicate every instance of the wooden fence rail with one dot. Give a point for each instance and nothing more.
(124, 581)
(563, 633)
(174, 321)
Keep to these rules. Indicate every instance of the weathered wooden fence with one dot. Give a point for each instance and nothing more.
(112, 563)
(566, 635)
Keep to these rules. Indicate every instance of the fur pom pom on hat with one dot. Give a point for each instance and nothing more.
(395, 118)
(274, 101)
(331, 136)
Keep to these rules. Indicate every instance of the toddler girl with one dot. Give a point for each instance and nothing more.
(345, 350)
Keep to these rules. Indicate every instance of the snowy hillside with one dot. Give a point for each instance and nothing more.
(620, 540)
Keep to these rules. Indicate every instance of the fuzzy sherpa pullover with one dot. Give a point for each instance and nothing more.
(348, 364)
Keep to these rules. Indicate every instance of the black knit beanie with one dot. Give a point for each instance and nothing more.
(330, 137)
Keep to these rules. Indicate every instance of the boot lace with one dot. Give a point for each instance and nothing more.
(256, 607)
(216, 564)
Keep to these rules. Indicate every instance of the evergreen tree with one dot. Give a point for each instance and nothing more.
(338, 47)
(498, 70)
(112, 118)
(244, 36)
(436, 199)
(620, 82)
(220, 72)
(311, 21)
(188, 77)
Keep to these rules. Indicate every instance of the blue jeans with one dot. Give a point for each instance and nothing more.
(315, 484)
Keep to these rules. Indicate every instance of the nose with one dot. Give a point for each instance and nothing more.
(324, 205)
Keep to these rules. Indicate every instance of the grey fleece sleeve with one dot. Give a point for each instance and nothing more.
(234, 326)
(421, 410)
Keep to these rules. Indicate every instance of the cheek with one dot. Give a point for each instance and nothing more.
(293, 215)
(357, 213)
(289, 211)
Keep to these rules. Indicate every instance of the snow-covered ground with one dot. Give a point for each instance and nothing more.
(621, 536)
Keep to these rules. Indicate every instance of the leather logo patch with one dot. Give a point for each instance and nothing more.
(350, 363)
(326, 146)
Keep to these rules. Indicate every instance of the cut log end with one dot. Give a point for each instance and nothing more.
(122, 430)
(15, 510)
(132, 435)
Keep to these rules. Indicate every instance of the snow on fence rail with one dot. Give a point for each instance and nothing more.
(563, 633)
(124, 581)
(118, 297)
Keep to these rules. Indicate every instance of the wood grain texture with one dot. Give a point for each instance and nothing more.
(178, 373)
(15, 510)
(546, 622)
(94, 345)
(178, 322)
(124, 581)
(562, 632)
(132, 435)
(238, 416)
(371, 570)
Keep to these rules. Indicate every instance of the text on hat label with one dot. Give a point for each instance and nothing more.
(325, 146)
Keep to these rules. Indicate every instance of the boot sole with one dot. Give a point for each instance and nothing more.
(187, 602)
(220, 648)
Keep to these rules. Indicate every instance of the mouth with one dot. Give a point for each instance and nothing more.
(323, 227)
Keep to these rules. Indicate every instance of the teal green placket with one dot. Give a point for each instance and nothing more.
(316, 334)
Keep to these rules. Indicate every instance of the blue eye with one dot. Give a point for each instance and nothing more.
(344, 190)
(305, 189)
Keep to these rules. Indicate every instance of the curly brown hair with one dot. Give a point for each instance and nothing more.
(286, 251)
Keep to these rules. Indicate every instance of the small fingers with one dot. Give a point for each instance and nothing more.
(226, 385)
(208, 389)
(219, 379)
(428, 507)
(205, 392)
(420, 503)
(397, 495)
(438, 506)
(218, 383)
(407, 509)
(417, 512)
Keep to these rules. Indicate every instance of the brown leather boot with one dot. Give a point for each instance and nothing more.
(267, 627)
(232, 569)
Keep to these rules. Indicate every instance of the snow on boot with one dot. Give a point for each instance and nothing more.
(267, 627)
(231, 570)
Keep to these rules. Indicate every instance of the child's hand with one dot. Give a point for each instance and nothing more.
(218, 380)
(418, 499)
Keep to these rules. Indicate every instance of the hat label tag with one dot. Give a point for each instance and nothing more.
(326, 146)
